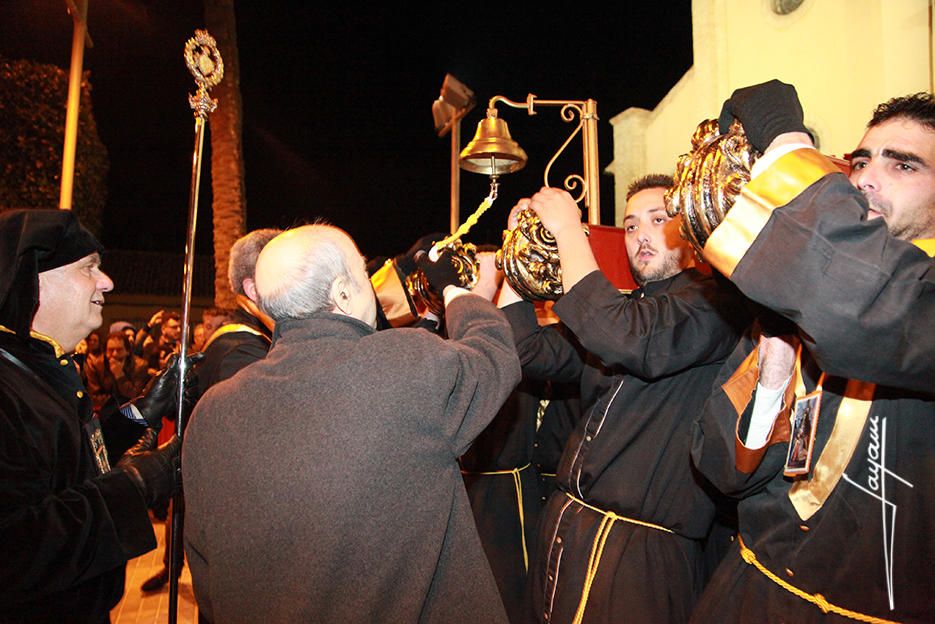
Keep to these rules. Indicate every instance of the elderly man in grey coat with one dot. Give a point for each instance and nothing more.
(322, 483)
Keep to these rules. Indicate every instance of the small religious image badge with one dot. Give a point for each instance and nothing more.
(802, 438)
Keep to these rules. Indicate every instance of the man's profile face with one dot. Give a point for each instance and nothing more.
(71, 300)
(894, 167)
(654, 245)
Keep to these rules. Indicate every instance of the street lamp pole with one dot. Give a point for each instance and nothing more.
(79, 15)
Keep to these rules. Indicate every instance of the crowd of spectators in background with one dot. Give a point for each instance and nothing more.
(115, 369)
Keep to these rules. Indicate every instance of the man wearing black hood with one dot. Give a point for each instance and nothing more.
(68, 521)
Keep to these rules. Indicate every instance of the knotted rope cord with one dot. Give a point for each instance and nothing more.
(816, 599)
(597, 549)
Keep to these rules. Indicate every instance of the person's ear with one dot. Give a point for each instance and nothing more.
(341, 295)
(249, 289)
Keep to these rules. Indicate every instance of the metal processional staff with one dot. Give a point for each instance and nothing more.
(204, 62)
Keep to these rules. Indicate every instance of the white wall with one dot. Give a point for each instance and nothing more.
(843, 56)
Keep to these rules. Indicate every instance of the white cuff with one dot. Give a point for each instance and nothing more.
(766, 406)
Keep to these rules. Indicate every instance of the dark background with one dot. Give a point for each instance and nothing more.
(337, 102)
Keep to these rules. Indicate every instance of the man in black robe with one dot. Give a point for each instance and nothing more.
(622, 536)
(68, 521)
(509, 472)
(850, 536)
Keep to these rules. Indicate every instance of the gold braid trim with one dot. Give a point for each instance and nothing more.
(231, 328)
(59, 351)
(782, 182)
(816, 599)
(926, 244)
(518, 484)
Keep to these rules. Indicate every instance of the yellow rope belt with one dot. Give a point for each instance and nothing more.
(597, 549)
(816, 599)
(518, 483)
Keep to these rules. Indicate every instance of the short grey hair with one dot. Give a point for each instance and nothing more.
(305, 287)
(241, 264)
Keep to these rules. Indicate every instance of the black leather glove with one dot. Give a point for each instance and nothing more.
(155, 473)
(765, 110)
(147, 442)
(160, 394)
(440, 273)
(407, 261)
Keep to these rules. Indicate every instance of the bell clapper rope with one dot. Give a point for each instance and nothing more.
(465, 227)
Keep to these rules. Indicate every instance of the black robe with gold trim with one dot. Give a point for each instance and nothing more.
(841, 278)
(66, 528)
(244, 342)
(857, 531)
(513, 463)
(499, 477)
(653, 358)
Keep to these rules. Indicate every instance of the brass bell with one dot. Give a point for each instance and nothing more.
(493, 151)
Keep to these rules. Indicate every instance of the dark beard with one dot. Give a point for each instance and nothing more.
(671, 266)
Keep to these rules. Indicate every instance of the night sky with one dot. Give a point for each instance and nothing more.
(337, 104)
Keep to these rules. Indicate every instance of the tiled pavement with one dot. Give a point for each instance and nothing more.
(152, 608)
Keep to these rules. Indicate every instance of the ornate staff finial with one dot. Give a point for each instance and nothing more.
(207, 67)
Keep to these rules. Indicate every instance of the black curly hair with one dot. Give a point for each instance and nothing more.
(919, 107)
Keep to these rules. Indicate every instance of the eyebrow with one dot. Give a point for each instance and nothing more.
(904, 157)
(892, 154)
(860, 153)
(661, 209)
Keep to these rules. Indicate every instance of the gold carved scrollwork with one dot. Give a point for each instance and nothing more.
(424, 297)
(572, 182)
(709, 178)
(568, 114)
(204, 61)
(529, 259)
